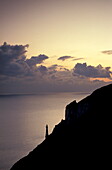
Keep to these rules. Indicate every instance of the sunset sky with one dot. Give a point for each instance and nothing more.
(55, 45)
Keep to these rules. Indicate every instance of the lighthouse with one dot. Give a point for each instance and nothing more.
(46, 134)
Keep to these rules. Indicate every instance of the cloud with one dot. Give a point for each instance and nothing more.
(109, 52)
(108, 69)
(54, 67)
(63, 58)
(12, 58)
(13, 61)
(42, 69)
(75, 59)
(10, 53)
(91, 71)
(36, 60)
(13, 69)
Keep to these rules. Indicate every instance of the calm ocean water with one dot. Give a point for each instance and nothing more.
(23, 119)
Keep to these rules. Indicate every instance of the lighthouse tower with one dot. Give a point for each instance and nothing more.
(46, 135)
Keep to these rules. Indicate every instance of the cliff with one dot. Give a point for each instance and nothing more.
(82, 139)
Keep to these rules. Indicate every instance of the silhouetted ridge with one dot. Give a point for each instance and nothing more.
(82, 139)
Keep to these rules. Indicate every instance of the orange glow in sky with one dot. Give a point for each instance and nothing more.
(101, 79)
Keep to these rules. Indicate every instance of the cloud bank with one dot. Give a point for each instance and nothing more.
(18, 74)
(91, 71)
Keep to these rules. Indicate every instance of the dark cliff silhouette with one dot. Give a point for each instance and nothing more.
(83, 139)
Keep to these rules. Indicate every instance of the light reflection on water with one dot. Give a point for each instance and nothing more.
(23, 119)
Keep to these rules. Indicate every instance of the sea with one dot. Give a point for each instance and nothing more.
(23, 119)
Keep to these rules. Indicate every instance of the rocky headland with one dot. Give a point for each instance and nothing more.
(82, 139)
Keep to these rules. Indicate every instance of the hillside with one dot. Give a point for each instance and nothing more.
(83, 139)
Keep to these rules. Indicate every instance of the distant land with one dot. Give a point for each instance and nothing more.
(39, 93)
(81, 140)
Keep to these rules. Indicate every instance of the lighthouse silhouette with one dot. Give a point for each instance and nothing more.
(46, 134)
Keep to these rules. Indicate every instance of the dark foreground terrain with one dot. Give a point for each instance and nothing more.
(81, 141)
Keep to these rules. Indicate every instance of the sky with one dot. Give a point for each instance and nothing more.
(55, 45)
